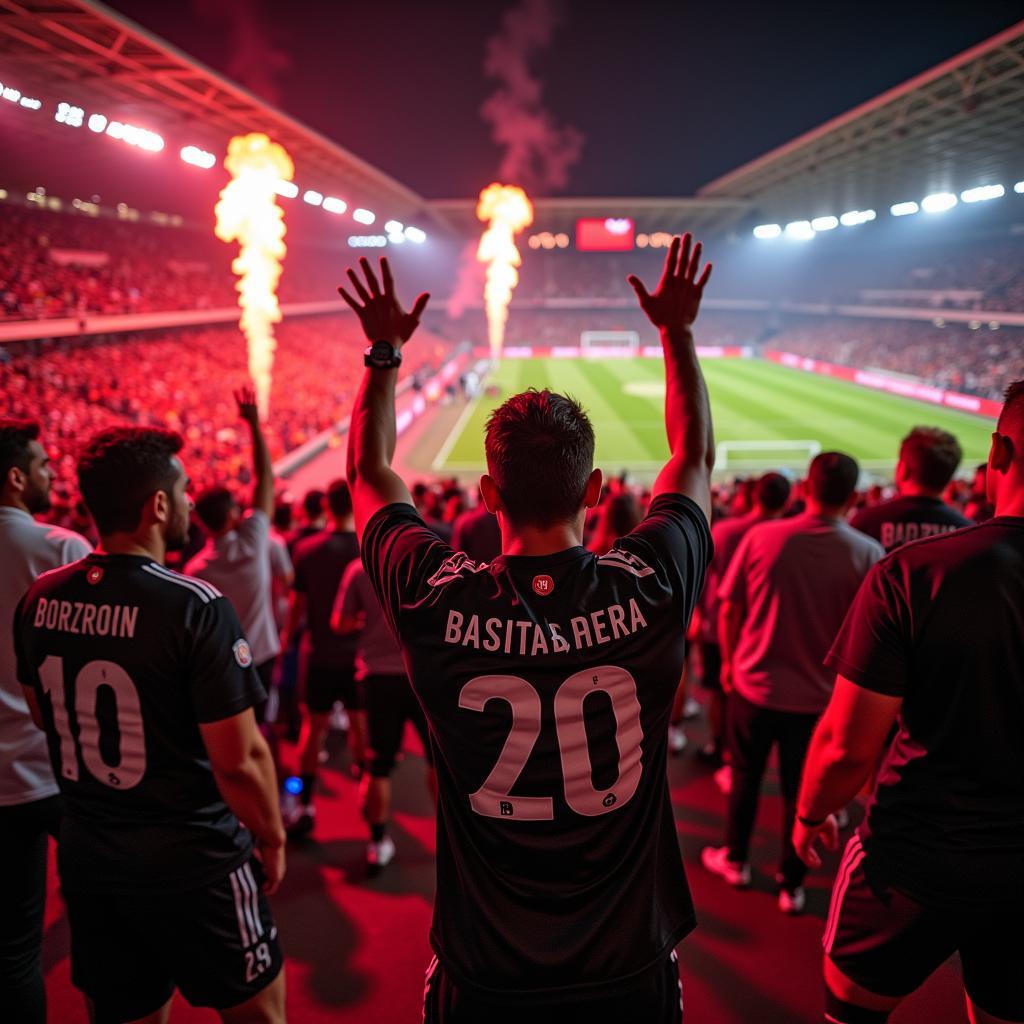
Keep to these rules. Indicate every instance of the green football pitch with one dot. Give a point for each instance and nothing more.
(765, 415)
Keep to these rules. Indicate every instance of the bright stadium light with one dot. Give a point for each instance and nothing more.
(197, 157)
(904, 209)
(767, 231)
(364, 216)
(1019, 187)
(852, 218)
(69, 114)
(97, 123)
(799, 230)
(332, 205)
(982, 193)
(396, 239)
(10, 94)
(825, 223)
(30, 103)
(286, 189)
(394, 227)
(367, 241)
(312, 197)
(416, 235)
(938, 202)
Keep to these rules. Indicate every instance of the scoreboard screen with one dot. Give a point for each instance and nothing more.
(609, 234)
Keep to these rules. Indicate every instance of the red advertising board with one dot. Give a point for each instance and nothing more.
(605, 234)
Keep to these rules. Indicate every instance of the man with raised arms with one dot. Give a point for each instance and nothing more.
(547, 679)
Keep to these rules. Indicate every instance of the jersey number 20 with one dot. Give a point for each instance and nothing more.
(129, 770)
(492, 799)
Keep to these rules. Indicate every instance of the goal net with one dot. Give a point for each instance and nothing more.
(609, 343)
(762, 455)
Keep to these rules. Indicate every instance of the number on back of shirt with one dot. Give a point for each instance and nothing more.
(493, 799)
(131, 764)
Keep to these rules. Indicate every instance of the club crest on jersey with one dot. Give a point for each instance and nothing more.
(242, 652)
(94, 575)
(543, 585)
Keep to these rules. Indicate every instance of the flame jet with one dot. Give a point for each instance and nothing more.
(248, 213)
(507, 210)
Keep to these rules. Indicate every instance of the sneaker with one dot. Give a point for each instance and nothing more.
(716, 860)
(723, 779)
(380, 855)
(792, 901)
(842, 818)
(691, 709)
(299, 819)
(676, 739)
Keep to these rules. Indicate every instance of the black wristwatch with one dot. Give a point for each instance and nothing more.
(382, 355)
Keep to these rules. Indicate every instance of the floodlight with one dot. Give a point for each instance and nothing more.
(982, 193)
(904, 209)
(767, 231)
(825, 223)
(938, 202)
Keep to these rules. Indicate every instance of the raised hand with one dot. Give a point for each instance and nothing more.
(379, 310)
(245, 397)
(676, 300)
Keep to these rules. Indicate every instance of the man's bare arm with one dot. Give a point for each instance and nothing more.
(730, 622)
(372, 431)
(672, 308)
(262, 465)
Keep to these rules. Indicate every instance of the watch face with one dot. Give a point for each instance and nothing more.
(381, 351)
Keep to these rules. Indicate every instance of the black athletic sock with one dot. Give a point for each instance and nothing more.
(377, 832)
(308, 785)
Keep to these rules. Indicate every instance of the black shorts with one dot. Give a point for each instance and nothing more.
(711, 655)
(655, 999)
(217, 944)
(889, 944)
(325, 685)
(390, 703)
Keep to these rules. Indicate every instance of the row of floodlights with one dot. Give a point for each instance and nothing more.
(937, 202)
(142, 138)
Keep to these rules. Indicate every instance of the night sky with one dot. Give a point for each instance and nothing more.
(667, 95)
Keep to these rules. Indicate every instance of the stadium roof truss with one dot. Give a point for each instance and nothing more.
(955, 126)
(89, 53)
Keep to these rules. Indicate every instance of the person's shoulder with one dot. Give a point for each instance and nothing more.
(53, 579)
(947, 549)
(66, 540)
(181, 587)
(306, 547)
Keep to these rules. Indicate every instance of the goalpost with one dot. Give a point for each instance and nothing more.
(758, 454)
(609, 343)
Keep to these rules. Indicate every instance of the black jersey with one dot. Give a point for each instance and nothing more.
(547, 684)
(940, 624)
(127, 658)
(909, 518)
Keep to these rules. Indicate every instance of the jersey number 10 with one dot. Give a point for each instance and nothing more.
(129, 770)
(492, 799)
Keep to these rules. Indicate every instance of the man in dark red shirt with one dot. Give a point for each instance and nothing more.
(935, 644)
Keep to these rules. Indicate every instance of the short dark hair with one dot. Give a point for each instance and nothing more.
(283, 514)
(771, 492)
(540, 453)
(931, 456)
(213, 506)
(121, 468)
(339, 499)
(832, 478)
(15, 437)
(1011, 419)
(313, 503)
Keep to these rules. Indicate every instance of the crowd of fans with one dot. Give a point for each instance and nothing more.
(176, 379)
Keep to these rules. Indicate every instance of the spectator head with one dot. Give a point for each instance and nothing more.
(25, 473)
(622, 515)
(831, 482)
(134, 483)
(540, 461)
(284, 514)
(771, 493)
(218, 510)
(928, 459)
(313, 505)
(339, 500)
(1005, 477)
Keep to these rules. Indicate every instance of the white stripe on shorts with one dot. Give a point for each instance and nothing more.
(254, 897)
(239, 909)
(853, 856)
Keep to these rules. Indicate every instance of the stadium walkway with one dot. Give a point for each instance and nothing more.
(357, 946)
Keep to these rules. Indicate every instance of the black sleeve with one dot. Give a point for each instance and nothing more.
(872, 648)
(675, 541)
(404, 559)
(223, 679)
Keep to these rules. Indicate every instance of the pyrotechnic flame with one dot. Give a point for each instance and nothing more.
(248, 213)
(509, 210)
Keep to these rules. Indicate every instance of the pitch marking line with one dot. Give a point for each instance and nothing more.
(456, 432)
